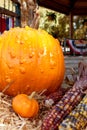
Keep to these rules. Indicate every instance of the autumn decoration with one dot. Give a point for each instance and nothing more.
(30, 60)
(24, 106)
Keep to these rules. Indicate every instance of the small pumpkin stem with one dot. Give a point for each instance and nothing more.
(32, 95)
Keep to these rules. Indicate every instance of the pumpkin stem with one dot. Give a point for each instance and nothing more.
(32, 95)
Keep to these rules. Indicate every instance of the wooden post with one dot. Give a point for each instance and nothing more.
(71, 29)
(71, 26)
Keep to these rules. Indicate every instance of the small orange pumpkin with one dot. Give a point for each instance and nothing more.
(24, 106)
(32, 59)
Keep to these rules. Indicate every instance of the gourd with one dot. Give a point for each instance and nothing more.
(30, 60)
(24, 106)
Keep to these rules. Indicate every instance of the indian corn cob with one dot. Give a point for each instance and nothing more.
(59, 111)
(55, 97)
(77, 119)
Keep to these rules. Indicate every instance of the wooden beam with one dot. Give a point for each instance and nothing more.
(16, 1)
(54, 6)
(80, 11)
(7, 12)
(72, 4)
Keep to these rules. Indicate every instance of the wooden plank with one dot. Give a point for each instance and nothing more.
(16, 1)
(72, 62)
(7, 12)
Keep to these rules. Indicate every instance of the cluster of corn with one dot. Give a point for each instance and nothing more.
(77, 119)
(62, 108)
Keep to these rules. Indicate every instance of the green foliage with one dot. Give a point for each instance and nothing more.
(80, 27)
(57, 24)
(54, 23)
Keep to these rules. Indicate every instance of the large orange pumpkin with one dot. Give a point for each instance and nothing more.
(31, 59)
